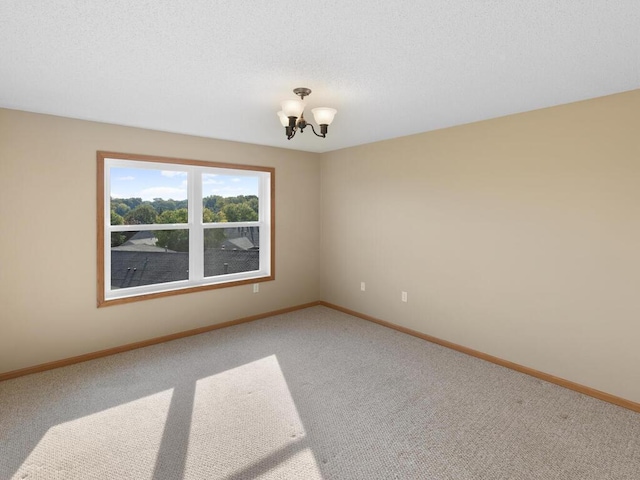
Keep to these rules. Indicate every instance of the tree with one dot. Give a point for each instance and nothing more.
(214, 238)
(173, 216)
(117, 238)
(161, 205)
(143, 214)
(239, 212)
(253, 203)
(120, 208)
(214, 203)
(129, 202)
(236, 199)
(177, 240)
(211, 217)
(116, 219)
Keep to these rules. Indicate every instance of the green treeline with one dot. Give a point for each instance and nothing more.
(135, 211)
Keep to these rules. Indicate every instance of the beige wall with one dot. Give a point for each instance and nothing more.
(518, 237)
(48, 240)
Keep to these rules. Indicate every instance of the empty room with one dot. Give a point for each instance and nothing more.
(320, 240)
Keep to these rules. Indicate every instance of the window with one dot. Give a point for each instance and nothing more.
(168, 226)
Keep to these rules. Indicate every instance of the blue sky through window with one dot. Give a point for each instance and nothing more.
(171, 184)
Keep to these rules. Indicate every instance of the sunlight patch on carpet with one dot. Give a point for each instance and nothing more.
(248, 415)
(109, 441)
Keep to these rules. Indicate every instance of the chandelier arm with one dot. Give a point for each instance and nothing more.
(293, 134)
(324, 135)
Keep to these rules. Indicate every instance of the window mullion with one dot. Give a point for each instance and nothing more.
(148, 227)
(196, 235)
(264, 194)
(106, 241)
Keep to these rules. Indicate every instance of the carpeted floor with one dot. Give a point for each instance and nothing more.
(314, 394)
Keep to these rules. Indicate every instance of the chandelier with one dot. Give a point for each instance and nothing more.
(292, 115)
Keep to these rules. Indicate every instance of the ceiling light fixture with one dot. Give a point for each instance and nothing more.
(292, 115)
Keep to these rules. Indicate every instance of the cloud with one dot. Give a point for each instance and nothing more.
(229, 191)
(236, 179)
(212, 182)
(164, 193)
(126, 179)
(173, 173)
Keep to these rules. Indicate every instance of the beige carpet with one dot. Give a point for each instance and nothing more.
(309, 395)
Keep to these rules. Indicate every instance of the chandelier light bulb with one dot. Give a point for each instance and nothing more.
(324, 115)
(284, 120)
(293, 108)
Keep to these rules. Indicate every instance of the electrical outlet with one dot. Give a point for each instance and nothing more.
(404, 297)
(362, 286)
(256, 287)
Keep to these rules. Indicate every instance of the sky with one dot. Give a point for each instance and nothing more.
(169, 184)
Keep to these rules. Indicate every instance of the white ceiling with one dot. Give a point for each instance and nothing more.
(220, 68)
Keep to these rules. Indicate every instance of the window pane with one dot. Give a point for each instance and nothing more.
(149, 199)
(231, 250)
(142, 196)
(149, 257)
(229, 198)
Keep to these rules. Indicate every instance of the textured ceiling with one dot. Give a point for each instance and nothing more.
(220, 68)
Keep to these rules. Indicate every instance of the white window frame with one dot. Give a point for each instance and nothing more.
(196, 227)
